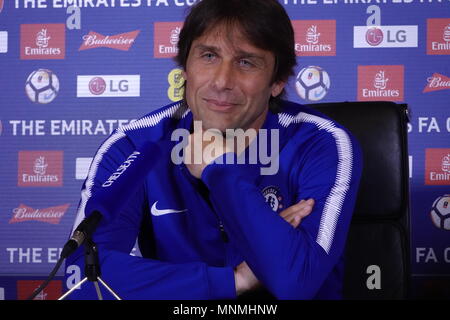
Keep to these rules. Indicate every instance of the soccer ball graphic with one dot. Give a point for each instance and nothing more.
(42, 86)
(312, 83)
(440, 212)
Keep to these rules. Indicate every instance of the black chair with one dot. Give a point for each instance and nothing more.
(377, 255)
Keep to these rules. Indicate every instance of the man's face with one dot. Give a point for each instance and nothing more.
(229, 81)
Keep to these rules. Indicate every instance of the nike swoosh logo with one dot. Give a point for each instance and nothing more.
(156, 212)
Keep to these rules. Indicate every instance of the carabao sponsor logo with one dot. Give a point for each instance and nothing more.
(385, 36)
(166, 35)
(122, 41)
(3, 41)
(380, 83)
(437, 82)
(40, 169)
(50, 215)
(315, 37)
(108, 86)
(438, 36)
(437, 166)
(42, 41)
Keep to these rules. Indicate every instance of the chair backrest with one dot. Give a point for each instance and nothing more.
(377, 257)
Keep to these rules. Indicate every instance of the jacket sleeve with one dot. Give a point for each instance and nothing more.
(133, 277)
(291, 263)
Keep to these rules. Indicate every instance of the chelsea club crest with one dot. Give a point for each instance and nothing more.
(273, 197)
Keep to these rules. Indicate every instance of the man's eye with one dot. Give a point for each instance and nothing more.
(208, 56)
(245, 63)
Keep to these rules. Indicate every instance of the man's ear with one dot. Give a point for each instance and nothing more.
(183, 74)
(277, 88)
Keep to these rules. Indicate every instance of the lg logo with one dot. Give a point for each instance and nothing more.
(103, 86)
(98, 86)
(373, 282)
(376, 35)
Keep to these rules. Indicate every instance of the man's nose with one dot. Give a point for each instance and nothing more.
(224, 76)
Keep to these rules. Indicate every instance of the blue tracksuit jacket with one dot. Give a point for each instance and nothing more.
(193, 232)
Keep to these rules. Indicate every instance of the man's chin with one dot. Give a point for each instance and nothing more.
(218, 126)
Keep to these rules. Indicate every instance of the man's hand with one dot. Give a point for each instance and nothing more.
(204, 146)
(295, 213)
(244, 278)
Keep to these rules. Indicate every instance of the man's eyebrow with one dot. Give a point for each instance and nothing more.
(245, 54)
(239, 53)
(203, 47)
(256, 58)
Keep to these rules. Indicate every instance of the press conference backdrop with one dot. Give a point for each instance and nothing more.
(70, 75)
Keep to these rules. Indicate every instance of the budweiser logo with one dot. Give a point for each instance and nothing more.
(437, 82)
(51, 215)
(121, 41)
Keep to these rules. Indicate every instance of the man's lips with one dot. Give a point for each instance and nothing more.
(219, 104)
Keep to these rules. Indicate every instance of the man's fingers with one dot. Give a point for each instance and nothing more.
(303, 208)
(299, 213)
(296, 221)
(295, 213)
(286, 212)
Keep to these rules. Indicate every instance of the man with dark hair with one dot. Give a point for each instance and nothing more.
(264, 23)
(226, 224)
